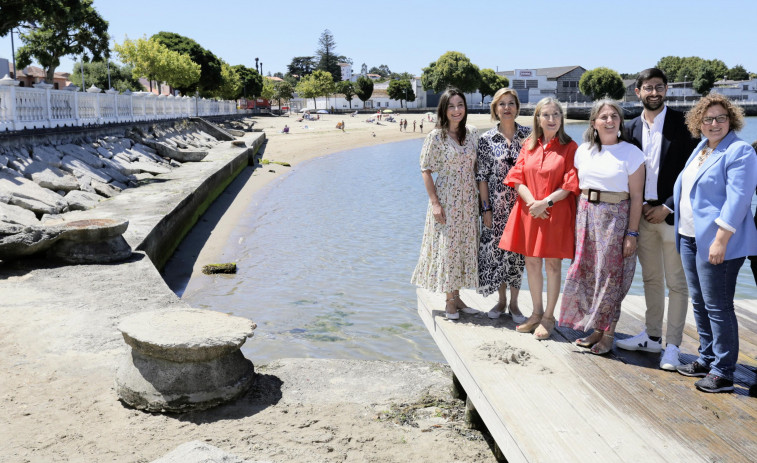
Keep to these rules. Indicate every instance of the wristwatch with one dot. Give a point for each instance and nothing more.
(550, 203)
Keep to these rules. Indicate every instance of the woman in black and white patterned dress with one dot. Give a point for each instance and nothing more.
(498, 150)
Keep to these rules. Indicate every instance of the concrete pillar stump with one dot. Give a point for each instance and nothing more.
(183, 360)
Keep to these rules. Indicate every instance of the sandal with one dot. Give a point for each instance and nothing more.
(531, 324)
(451, 315)
(494, 313)
(545, 328)
(598, 349)
(589, 341)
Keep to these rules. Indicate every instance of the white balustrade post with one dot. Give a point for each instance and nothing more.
(8, 93)
(98, 115)
(46, 102)
(111, 95)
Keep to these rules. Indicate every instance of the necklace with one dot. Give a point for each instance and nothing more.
(703, 155)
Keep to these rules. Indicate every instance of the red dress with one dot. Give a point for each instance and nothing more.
(543, 170)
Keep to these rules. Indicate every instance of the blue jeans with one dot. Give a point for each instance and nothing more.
(711, 288)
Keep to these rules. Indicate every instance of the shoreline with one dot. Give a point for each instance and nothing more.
(205, 243)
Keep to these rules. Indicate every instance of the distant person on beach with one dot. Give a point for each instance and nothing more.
(342, 126)
(286, 129)
(413, 125)
(498, 149)
(421, 125)
(715, 233)
(661, 133)
(541, 224)
(400, 125)
(405, 125)
(448, 259)
(611, 178)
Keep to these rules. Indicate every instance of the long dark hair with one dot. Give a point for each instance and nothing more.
(441, 114)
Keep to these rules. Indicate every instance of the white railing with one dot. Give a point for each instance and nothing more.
(42, 107)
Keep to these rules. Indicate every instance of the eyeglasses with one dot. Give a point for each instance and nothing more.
(719, 119)
(648, 88)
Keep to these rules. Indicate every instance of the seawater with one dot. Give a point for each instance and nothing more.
(325, 255)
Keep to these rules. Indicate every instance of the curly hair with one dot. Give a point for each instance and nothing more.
(695, 116)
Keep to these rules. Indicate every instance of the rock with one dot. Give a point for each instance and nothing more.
(121, 164)
(82, 200)
(180, 154)
(104, 152)
(3, 160)
(200, 452)
(47, 154)
(91, 241)
(19, 240)
(79, 168)
(183, 360)
(50, 177)
(239, 143)
(210, 269)
(151, 167)
(23, 192)
(17, 215)
(104, 189)
(80, 153)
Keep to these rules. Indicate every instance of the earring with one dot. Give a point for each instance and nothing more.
(619, 134)
(595, 133)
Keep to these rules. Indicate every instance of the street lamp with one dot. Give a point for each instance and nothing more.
(256, 64)
(13, 50)
(684, 88)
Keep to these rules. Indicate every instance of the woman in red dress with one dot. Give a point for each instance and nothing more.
(542, 223)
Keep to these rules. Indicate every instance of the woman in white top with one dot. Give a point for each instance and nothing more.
(611, 178)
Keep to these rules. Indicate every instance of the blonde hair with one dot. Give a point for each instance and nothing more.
(537, 132)
(501, 93)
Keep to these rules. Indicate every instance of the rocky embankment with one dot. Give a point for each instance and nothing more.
(44, 177)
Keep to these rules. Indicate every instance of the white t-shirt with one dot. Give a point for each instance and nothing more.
(609, 169)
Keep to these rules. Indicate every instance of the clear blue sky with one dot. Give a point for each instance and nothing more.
(407, 35)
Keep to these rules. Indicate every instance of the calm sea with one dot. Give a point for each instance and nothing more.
(325, 255)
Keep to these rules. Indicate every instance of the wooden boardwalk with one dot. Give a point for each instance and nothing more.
(553, 401)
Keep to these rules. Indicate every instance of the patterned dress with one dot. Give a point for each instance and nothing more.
(495, 158)
(448, 259)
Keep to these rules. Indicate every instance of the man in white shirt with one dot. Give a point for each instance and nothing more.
(662, 134)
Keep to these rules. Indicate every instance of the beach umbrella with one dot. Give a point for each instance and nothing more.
(322, 111)
(304, 110)
(388, 111)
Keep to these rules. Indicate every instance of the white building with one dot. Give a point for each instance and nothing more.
(346, 71)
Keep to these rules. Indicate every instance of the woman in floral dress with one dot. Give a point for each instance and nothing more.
(448, 259)
(498, 150)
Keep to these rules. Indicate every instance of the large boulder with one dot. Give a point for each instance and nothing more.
(82, 154)
(48, 176)
(47, 154)
(79, 168)
(23, 192)
(17, 215)
(82, 200)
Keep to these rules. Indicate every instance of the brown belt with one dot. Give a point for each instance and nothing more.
(596, 196)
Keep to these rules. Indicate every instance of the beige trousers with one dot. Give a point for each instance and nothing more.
(661, 266)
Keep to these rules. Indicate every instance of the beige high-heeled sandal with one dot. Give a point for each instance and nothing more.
(531, 324)
(545, 328)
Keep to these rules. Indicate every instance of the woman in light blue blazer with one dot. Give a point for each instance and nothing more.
(714, 234)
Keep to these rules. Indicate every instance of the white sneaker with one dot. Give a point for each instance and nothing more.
(640, 342)
(469, 310)
(669, 360)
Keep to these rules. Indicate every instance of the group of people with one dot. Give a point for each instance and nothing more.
(403, 125)
(673, 190)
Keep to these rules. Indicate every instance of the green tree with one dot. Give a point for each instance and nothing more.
(54, 29)
(346, 88)
(210, 65)
(96, 73)
(382, 70)
(231, 83)
(283, 90)
(328, 61)
(451, 69)
(704, 81)
(401, 76)
(319, 83)
(156, 62)
(738, 73)
(301, 66)
(269, 90)
(363, 89)
(252, 81)
(400, 90)
(678, 69)
(602, 82)
(490, 83)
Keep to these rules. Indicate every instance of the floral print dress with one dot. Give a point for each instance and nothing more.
(448, 259)
(495, 159)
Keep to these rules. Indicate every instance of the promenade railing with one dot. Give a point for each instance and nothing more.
(42, 107)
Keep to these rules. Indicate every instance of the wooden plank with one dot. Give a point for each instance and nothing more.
(578, 407)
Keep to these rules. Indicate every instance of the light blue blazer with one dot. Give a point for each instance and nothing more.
(723, 190)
